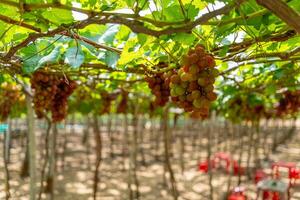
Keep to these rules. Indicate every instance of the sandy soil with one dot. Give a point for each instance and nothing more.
(75, 181)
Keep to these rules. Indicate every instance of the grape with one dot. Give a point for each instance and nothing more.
(194, 69)
(211, 96)
(209, 88)
(192, 85)
(106, 100)
(179, 90)
(196, 94)
(175, 79)
(193, 58)
(186, 76)
(51, 92)
(202, 81)
(289, 103)
(160, 86)
(9, 96)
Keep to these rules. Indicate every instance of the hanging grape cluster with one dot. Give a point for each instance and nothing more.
(107, 99)
(122, 106)
(160, 88)
(289, 103)
(51, 92)
(240, 108)
(192, 85)
(60, 101)
(9, 95)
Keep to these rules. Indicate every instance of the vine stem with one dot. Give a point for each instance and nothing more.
(32, 146)
(98, 138)
(166, 134)
(283, 11)
(6, 147)
(49, 125)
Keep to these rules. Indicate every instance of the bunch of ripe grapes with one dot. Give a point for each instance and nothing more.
(240, 108)
(9, 95)
(289, 103)
(122, 107)
(107, 99)
(160, 88)
(51, 92)
(192, 85)
(60, 102)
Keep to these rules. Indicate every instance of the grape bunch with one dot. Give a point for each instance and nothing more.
(289, 103)
(159, 86)
(107, 99)
(60, 102)
(9, 95)
(192, 85)
(239, 108)
(51, 92)
(122, 106)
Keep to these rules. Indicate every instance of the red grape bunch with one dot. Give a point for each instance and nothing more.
(192, 85)
(60, 102)
(9, 95)
(289, 103)
(51, 93)
(122, 106)
(107, 99)
(160, 88)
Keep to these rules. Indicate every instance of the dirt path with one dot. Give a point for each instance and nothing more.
(75, 181)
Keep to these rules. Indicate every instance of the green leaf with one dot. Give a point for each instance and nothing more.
(123, 33)
(142, 38)
(173, 13)
(111, 58)
(278, 74)
(109, 35)
(224, 51)
(1, 79)
(192, 11)
(270, 89)
(74, 57)
(129, 53)
(58, 16)
(254, 100)
(30, 65)
(184, 38)
(85, 107)
(130, 3)
(50, 58)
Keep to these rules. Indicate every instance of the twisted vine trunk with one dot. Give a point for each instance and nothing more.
(209, 154)
(125, 143)
(249, 151)
(166, 136)
(133, 157)
(141, 134)
(32, 148)
(241, 141)
(234, 130)
(129, 142)
(98, 139)
(25, 164)
(182, 147)
(110, 134)
(46, 159)
(257, 144)
(52, 163)
(6, 161)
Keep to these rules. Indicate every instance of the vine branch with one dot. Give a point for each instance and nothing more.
(283, 11)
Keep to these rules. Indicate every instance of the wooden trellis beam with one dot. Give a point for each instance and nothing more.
(283, 11)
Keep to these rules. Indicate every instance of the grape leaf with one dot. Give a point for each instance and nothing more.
(74, 56)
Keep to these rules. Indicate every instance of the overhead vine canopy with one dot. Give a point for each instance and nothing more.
(255, 43)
